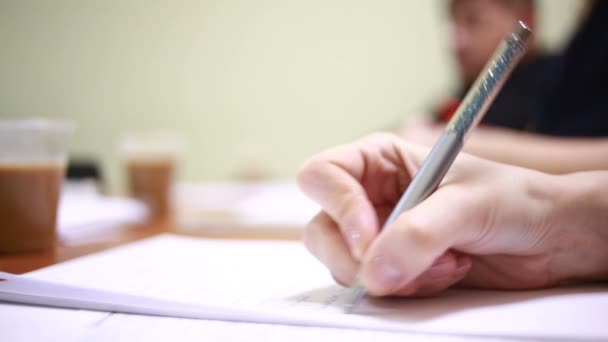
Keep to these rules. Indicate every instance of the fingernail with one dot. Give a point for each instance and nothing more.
(354, 241)
(387, 274)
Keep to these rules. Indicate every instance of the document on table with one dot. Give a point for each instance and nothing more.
(90, 216)
(286, 293)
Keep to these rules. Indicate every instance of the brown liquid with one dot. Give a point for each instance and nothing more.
(29, 196)
(150, 181)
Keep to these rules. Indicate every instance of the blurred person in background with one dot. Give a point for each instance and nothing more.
(476, 28)
(551, 110)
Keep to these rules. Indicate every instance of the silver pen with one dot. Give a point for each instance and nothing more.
(469, 113)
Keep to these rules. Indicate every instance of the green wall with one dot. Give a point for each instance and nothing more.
(265, 81)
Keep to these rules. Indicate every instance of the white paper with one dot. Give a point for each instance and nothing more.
(261, 281)
(91, 216)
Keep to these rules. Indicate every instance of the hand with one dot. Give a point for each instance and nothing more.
(488, 225)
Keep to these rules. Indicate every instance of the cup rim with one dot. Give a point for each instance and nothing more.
(37, 124)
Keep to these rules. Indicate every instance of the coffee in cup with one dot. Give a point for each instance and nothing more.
(33, 154)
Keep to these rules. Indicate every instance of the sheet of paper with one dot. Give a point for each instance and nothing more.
(90, 216)
(281, 280)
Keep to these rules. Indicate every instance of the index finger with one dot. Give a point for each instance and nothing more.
(330, 180)
(340, 180)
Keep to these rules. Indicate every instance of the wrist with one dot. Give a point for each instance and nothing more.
(578, 218)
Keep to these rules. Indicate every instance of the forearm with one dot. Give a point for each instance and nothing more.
(579, 218)
(547, 154)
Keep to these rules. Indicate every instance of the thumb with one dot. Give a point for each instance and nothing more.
(410, 245)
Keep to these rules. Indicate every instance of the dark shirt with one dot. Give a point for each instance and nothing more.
(575, 102)
(563, 95)
(518, 102)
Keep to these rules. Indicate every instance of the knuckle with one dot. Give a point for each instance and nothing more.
(419, 233)
(309, 172)
(349, 206)
(345, 207)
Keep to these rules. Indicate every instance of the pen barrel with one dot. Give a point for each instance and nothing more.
(488, 84)
(469, 113)
(431, 173)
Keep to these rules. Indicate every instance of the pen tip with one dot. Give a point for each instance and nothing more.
(357, 293)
